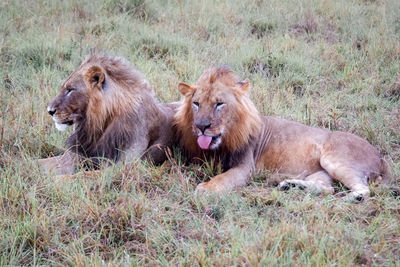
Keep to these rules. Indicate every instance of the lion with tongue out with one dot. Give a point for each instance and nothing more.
(218, 120)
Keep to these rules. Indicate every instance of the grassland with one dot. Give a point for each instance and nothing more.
(332, 64)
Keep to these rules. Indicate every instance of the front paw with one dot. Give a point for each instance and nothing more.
(208, 187)
(202, 188)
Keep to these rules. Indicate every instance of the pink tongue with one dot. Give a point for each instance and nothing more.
(204, 141)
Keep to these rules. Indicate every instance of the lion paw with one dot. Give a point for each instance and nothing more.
(284, 186)
(287, 184)
(358, 196)
(202, 188)
(208, 187)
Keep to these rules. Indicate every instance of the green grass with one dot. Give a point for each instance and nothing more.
(331, 64)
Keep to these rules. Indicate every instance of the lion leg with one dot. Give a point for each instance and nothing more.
(351, 177)
(60, 165)
(235, 177)
(317, 182)
(156, 154)
(352, 161)
(48, 165)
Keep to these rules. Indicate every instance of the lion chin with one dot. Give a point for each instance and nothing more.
(61, 126)
(297, 155)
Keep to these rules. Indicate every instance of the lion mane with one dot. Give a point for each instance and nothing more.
(109, 125)
(244, 113)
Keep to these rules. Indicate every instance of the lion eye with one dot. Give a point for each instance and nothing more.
(69, 91)
(219, 104)
(196, 104)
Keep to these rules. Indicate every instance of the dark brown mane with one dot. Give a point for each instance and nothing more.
(112, 120)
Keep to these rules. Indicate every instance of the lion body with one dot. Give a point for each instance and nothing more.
(295, 154)
(114, 113)
(295, 150)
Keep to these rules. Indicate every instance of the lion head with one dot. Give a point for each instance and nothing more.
(217, 112)
(100, 98)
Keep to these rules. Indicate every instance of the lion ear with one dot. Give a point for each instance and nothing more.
(95, 76)
(185, 89)
(244, 85)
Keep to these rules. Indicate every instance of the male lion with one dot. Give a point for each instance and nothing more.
(114, 113)
(217, 119)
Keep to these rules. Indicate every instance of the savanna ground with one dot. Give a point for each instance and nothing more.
(332, 64)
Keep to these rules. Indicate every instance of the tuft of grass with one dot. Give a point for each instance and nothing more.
(267, 66)
(261, 28)
(331, 64)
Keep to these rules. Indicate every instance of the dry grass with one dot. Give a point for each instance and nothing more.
(332, 64)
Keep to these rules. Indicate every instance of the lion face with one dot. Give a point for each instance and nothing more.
(217, 110)
(71, 103)
(209, 107)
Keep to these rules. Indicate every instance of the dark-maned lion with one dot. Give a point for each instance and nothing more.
(114, 113)
(218, 120)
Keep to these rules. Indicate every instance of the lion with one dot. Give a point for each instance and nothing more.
(114, 114)
(218, 120)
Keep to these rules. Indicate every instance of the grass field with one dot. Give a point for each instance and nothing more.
(332, 64)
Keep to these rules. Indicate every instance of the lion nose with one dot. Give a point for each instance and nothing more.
(51, 111)
(203, 124)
